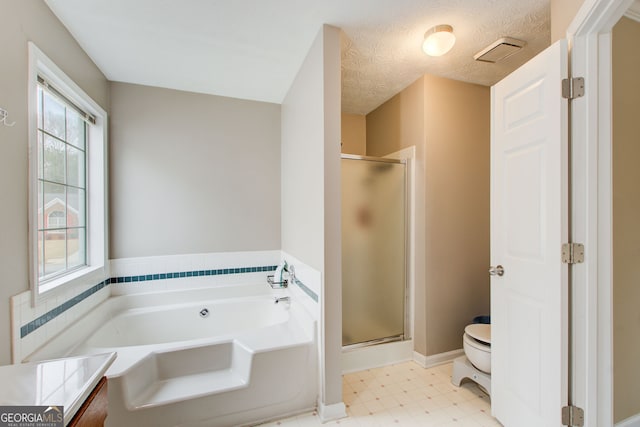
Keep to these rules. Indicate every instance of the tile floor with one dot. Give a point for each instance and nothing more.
(405, 395)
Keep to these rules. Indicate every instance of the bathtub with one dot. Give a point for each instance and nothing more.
(161, 324)
(220, 356)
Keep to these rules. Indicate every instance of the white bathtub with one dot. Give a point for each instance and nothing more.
(247, 360)
(182, 322)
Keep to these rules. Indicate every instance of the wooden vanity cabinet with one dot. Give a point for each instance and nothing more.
(93, 411)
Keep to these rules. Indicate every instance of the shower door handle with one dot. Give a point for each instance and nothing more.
(496, 271)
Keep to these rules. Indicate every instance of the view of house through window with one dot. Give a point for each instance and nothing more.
(62, 140)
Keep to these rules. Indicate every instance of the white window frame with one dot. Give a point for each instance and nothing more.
(96, 221)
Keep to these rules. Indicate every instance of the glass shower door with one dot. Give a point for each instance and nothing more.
(373, 249)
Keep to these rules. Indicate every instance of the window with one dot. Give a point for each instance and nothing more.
(62, 140)
(67, 198)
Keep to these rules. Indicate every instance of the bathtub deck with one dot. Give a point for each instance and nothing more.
(188, 387)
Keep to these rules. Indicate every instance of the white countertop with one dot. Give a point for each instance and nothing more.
(66, 382)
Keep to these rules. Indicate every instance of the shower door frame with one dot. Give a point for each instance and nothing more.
(406, 335)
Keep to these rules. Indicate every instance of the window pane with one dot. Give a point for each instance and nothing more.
(54, 159)
(75, 167)
(62, 163)
(56, 219)
(54, 117)
(76, 247)
(75, 129)
(75, 208)
(54, 201)
(54, 251)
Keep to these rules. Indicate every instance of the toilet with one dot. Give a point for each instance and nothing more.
(476, 342)
(476, 363)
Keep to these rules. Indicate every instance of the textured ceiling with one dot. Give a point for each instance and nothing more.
(252, 49)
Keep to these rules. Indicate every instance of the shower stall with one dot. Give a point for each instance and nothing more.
(374, 251)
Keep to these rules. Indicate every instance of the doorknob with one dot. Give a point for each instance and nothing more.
(496, 271)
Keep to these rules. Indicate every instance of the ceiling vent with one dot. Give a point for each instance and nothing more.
(499, 50)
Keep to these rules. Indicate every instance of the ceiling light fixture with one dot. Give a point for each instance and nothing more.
(438, 40)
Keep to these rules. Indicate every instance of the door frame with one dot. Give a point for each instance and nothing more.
(589, 38)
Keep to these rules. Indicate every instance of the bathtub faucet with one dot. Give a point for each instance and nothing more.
(282, 299)
(292, 273)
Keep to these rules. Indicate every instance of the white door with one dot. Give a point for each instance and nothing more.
(529, 306)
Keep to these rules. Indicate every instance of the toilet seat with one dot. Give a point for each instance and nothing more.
(477, 345)
(480, 332)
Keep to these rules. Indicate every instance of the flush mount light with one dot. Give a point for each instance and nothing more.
(438, 40)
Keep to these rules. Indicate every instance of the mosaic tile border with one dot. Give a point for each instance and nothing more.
(52, 314)
(307, 291)
(194, 273)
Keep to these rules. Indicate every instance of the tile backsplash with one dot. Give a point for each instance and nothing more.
(33, 326)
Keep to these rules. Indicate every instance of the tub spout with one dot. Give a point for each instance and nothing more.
(282, 299)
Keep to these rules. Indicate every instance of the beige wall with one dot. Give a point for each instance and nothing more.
(398, 123)
(20, 22)
(192, 173)
(332, 275)
(457, 117)
(354, 134)
(311, 190)
(448, 122)
(626, 211)
(562, 13)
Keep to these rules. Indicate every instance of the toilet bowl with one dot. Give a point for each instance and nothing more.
(476, 364)
(476, 343)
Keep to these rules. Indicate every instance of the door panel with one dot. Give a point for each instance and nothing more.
(525, 239)
(528, 226)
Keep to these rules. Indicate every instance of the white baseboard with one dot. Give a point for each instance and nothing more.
(630, 422)
(331, 412)
(436, 359)
(375, 356)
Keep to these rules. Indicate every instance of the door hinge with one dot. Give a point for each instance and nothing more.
(572, 416)
(573, 88)
(572, 253)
